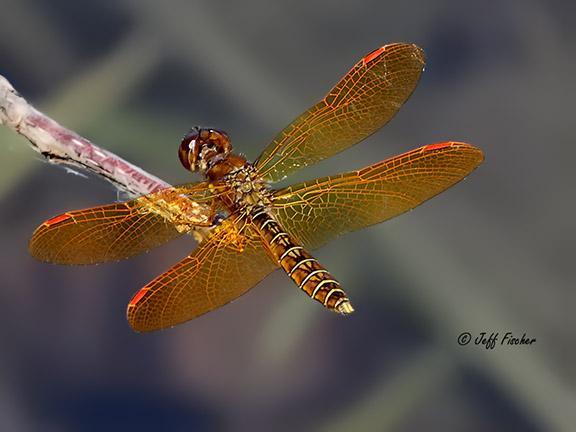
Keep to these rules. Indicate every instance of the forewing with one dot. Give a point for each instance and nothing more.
(361, 103)
(315, 212)
(220, 270)
(120, 230)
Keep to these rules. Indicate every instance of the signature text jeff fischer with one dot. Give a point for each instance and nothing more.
(490, 340)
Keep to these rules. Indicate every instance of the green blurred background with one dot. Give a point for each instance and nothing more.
(493, 254)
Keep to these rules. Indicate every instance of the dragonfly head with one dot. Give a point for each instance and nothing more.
(200, 146)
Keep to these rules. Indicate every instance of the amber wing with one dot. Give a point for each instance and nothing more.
(361, 103)
(120, 230)
(220, 270)
(317, 211)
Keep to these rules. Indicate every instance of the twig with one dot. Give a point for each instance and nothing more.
(63, 146)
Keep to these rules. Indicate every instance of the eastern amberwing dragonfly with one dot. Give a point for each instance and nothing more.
(254, 229)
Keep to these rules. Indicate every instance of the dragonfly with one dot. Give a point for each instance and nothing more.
(252, 228)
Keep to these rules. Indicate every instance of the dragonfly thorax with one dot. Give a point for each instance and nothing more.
(248, 189)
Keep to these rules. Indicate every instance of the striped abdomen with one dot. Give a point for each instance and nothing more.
(302, 267)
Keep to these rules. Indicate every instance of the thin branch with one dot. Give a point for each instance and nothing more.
(62, 146)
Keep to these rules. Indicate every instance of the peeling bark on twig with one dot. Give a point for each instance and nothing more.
(62, 146)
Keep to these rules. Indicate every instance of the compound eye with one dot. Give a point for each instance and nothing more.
(189, 150)
(219, 134)
(221, 140)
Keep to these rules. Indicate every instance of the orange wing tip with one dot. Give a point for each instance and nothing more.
(131, 311)
(446, 144)
(138, 297)
(477, 155)
(57, 219)
(417, 52)
(438, 146)
(374, 54)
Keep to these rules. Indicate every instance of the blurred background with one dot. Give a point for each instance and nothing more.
(493, 254)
